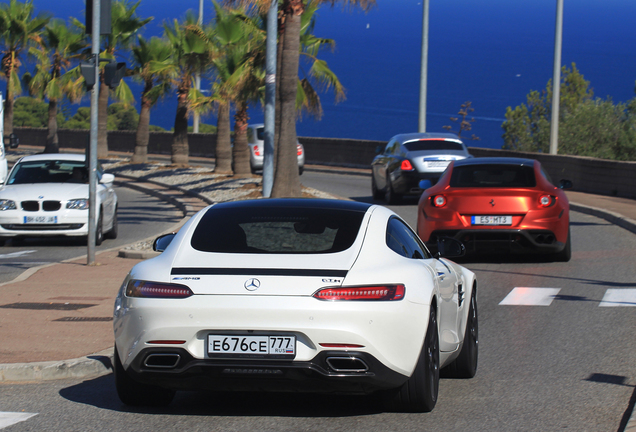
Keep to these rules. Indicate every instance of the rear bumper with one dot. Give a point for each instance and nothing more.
(329, 372)
(501, 240)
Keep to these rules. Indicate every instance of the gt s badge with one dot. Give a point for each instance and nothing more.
(327, 280)
(186, 278)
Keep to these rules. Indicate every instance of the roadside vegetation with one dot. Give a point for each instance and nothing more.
(228, 51)
(588, 126)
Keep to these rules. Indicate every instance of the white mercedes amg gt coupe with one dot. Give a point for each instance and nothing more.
(303, 295)
(47, 195)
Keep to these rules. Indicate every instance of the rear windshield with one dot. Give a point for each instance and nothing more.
(277, 230)
(493, 176)
(433, 145)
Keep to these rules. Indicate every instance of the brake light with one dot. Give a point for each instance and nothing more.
(438, 201)
(406, 165)
(147, 289)
(299, 149)
(379, 292)
(257, 151)
(546, 200)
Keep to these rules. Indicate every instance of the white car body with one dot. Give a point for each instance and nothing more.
(39, 190)
(351, 346)
(257, 148)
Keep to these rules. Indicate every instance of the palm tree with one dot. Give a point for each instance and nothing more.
(19, 27)
(286, 180)
(155, 87)
(239, 79)
(125, 25)
(59, 46)
(192, 51)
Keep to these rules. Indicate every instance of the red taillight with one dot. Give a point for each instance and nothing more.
(340, 345)
(438, 201)
(406, 165)
(146, 289)
(257, 151)
(299, 149)
(380, 292)
(166, 342)
(546, 200)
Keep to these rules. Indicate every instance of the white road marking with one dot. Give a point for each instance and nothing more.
(16, 254)
(525, 296)
(11, 418)
(619, 297)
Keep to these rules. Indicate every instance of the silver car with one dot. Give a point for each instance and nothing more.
(255, 141)
(409, 158)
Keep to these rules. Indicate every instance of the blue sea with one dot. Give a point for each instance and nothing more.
(489, 52)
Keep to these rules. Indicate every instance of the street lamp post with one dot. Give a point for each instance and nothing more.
(424, 69)
(197, 77)
(556, 80)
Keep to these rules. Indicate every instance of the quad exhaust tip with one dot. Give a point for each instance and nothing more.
(162, 361)
(347, 364)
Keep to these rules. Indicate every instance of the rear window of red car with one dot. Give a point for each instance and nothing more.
(495, 175)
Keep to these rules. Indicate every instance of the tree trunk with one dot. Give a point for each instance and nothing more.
(286, 177)
(102, 121)
(223, 141)
(8, 113)
(180, 149)
(240, 151)
(52, 143)
(143, 130)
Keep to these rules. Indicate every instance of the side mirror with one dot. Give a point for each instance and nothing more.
(14, 142)
(161, 243)
(448, 247)
(107, 178)
(425, 184)
(565, 184)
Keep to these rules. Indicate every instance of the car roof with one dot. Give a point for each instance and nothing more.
(256, 125)
(256, 204)
(54, 156)
(495, 161)
(402, 138)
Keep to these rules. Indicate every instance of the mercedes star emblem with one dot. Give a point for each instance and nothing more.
(252, 284)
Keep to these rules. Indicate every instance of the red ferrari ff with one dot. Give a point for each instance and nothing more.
(506, 205)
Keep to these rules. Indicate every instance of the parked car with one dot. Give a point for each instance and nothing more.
(47, 195)
(255, 140)
(409, 158)
(304, 295)
(505, 205)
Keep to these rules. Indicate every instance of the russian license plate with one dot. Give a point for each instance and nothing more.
(251, 346)
(40, 219)
(491, 220)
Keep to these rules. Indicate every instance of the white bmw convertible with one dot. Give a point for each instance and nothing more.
(47, 195)
(295, 295)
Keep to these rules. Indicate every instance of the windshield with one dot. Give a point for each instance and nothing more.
(49, 171)
(277, 230)
(426, 145)
(495, 175)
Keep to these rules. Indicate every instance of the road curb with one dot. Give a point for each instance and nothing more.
(83, 367)
(613, 218)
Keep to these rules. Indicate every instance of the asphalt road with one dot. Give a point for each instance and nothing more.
(557, 354)
(140, 216)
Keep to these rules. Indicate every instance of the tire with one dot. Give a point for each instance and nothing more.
(566, 254)
(419, 393)
(390, 196)
(465, 365)
(114, 231)
(99, 230)
(301, 169)
(374, 189)
(132, 393)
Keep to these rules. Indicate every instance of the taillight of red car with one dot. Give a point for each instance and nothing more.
(406, 165)
(379, 293)
(438, 200)
(547, 201)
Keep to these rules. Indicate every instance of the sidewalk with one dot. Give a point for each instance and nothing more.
(63, 311)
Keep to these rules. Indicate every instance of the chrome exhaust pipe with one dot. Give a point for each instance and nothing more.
(162, 361)
(347, 364)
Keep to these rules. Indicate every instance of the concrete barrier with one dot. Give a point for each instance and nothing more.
(598, 176)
